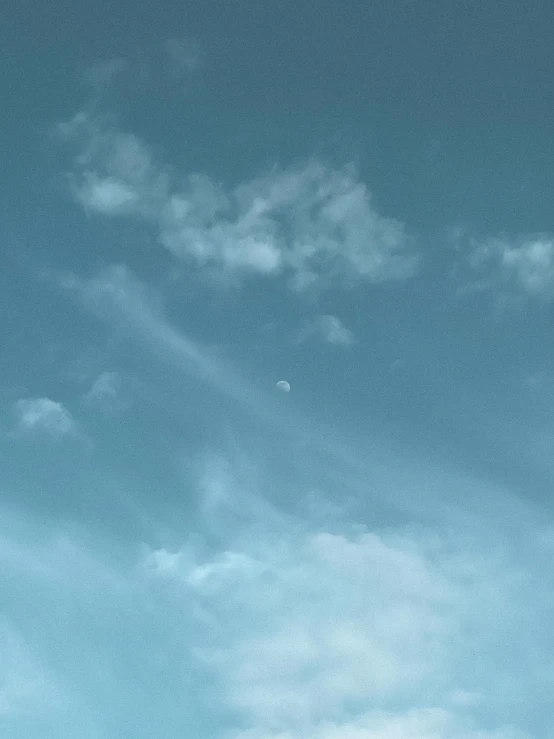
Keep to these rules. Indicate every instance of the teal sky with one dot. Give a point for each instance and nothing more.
(197, 201)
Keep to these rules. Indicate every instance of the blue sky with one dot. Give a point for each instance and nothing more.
(197, 201)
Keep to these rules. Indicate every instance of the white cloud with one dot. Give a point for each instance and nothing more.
(521, 267)
(312, 224)
(114, 173)
(107, 384)
(43, 414)
(383, 634)
(106, 392)
(314, 635)
(331, 329)
(107, 196)
(282, 628)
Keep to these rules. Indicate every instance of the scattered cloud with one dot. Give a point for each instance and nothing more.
(44, 415)
(119, 298)
(312, 224)
(331, 329)
(516, 268)
(106, 392)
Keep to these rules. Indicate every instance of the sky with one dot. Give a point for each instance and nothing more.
(199, 200)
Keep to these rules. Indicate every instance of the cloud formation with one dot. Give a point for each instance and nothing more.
(331, 329)
(286, 627)
(519, 267)
(355, 633)
(106, 392)
(313, 224)
(44, 415)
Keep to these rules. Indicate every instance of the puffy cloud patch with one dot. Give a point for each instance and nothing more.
(44, 415)
(521, 267)
(365, 634)
(311, 223)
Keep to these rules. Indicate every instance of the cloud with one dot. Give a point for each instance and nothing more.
(107, 196)
(369, 634)
(312, 224)
(331, 329)
(114, 173)
(118, 297)
(44, 415)
(106, 392)
(521, 267)
(277, 628)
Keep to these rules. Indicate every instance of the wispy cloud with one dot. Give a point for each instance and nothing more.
(120, 299)
(116, 296)
(44, 415)
(312, 224)
(330, 329)
(106, 392)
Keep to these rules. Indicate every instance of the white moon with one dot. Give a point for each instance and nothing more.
(283, 386)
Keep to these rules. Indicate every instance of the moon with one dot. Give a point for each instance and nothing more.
(283, 386)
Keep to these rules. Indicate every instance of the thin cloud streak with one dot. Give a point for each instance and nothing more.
(373, 469)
